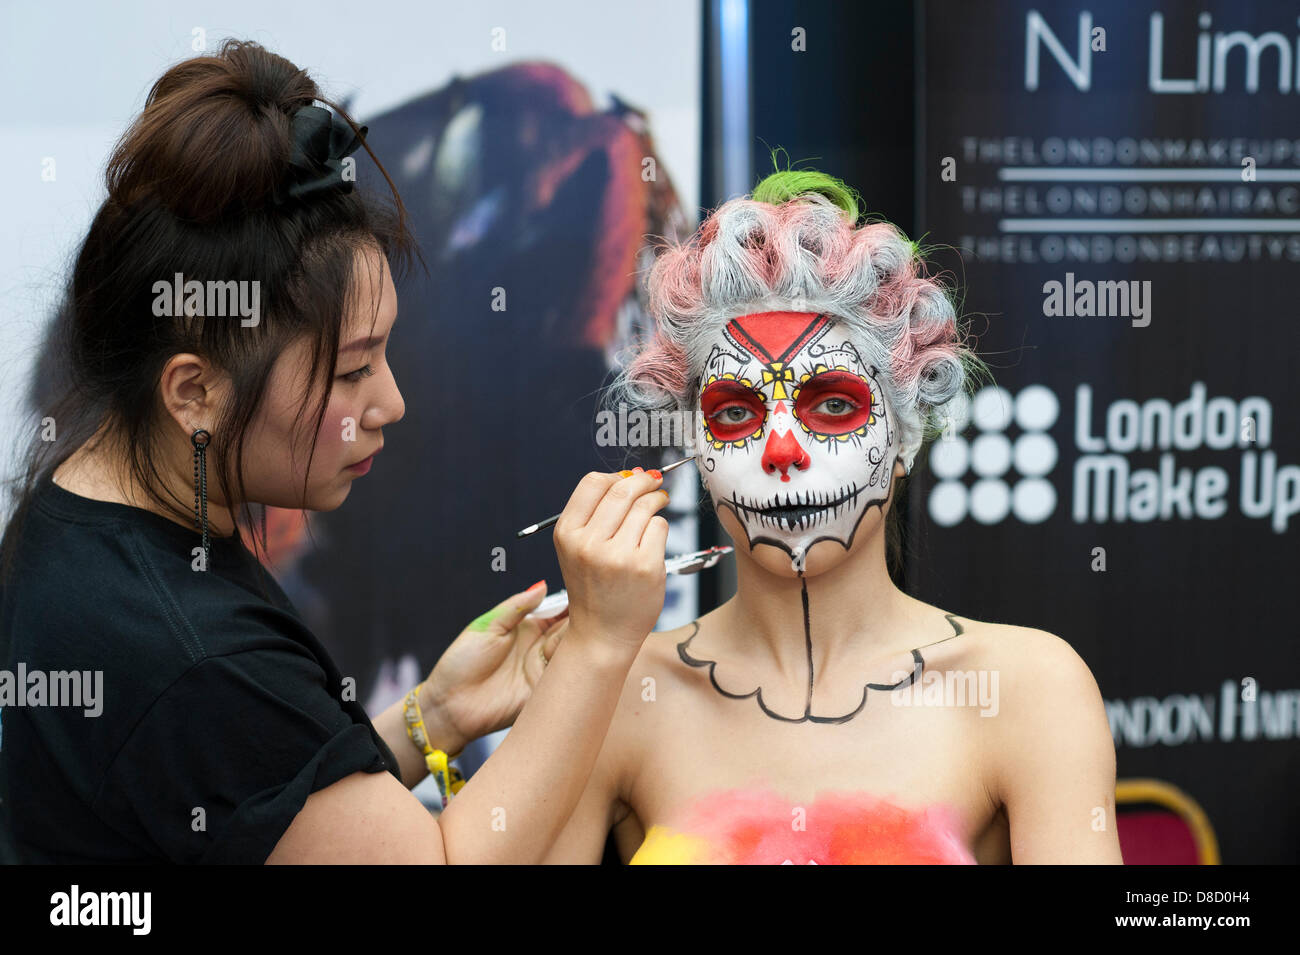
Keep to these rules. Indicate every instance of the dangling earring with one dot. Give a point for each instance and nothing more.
(200, 439)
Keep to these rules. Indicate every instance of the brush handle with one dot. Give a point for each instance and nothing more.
(542, 525)
(555, 603)
(534, 528)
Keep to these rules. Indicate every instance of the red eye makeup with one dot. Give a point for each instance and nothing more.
(733, 412)
(834, 402)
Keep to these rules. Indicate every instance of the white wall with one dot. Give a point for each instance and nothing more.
(75, 74)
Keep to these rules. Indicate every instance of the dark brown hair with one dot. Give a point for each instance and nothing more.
(196, 186)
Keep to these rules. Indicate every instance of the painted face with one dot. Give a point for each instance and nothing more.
(793, 431)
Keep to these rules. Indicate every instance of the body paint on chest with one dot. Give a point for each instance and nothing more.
(760, 827)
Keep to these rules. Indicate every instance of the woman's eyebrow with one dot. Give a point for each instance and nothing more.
(362, 344)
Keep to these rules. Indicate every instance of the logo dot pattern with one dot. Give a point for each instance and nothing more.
(1010, 475)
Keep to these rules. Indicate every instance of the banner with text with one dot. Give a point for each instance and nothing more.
(1117, 188)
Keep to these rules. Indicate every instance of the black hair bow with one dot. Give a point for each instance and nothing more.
(322, 139)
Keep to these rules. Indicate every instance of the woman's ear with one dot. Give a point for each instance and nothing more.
(192, 392)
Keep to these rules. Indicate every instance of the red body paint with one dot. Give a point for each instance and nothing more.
(761, 827)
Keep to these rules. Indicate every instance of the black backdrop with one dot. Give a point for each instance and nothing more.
(1189, 629)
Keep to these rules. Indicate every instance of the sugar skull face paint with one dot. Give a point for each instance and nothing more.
(794, 433)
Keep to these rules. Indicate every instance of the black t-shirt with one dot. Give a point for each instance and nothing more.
(219, 711)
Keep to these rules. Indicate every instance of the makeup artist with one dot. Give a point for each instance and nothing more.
(225, 732)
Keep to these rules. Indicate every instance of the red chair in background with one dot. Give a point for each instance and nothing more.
(1159, 824)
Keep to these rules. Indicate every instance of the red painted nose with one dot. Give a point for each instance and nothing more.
(782, 452)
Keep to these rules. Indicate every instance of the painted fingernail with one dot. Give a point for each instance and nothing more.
(624, 473)
(656, 474)
(637, 470)
(540, 583)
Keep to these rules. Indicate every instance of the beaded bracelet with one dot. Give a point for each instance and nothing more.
(447, 777)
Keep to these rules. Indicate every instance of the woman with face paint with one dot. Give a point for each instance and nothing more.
(822, 715)
(219, 729)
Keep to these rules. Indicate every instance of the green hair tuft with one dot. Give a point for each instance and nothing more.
(784, 185)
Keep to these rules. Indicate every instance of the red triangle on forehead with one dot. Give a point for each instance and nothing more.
(775, 336)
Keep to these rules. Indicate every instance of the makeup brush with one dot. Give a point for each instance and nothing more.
(684, 564)
(534, 528)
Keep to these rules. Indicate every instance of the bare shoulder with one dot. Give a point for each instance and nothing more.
(1038, 680)
(1046, 696)
(1048, 756)
(1030, 661)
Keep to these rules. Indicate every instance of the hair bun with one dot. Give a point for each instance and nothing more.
(265, 79)
(215, 136)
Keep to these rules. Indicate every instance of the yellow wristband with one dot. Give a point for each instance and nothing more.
(448, 778)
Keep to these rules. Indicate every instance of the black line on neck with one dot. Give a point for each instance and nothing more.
(918, 668)
(807, 642)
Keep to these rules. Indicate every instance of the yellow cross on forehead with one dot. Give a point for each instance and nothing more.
(777, 374)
